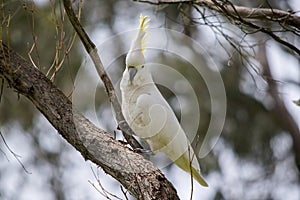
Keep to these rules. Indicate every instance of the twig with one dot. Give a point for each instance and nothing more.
(14, 154)
(191, 172)
(30, 57)
(104, 192)
(30, 17)
(57, 65)
(124, 192)
(92, 51)
(1, 89)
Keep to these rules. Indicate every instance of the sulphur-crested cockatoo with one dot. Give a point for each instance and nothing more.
(149, 114)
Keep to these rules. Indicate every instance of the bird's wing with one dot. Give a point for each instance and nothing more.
(154, 120)
(147, 115)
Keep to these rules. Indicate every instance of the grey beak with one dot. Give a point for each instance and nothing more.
(132, 72)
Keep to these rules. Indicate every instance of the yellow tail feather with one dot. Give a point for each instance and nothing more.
(184, 164)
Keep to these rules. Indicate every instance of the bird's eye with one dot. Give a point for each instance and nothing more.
(143, 66)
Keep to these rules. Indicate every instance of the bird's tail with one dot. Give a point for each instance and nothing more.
(191, 166)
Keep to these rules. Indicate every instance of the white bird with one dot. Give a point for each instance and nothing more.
(149, 114)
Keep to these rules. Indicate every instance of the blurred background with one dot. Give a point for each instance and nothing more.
(257, 156)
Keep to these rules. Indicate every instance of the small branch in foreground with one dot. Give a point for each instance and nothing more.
(91, 49)
(14, 154)
(103, 191)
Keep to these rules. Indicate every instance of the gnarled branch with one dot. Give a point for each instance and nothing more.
(135, 173)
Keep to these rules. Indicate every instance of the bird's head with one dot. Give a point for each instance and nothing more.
(135, 59)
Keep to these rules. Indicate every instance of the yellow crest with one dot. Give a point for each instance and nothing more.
(144, 20)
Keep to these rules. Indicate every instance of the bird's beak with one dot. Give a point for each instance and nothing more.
(132, 72)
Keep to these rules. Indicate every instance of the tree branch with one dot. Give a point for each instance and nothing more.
(266, 14)
(138, 175)
(91, 49)
(243, 14)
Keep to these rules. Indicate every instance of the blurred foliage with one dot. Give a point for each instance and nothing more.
(43, 27)
(43, 34)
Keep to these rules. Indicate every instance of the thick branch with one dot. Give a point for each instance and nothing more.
(135, 173)
(92, 51)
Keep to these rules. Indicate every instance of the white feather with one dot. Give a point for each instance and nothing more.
(151, 117)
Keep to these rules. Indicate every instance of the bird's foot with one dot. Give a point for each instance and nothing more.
(143, 151)
(120, 124)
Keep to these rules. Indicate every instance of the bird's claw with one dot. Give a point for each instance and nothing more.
(119, 124)
(143, 151)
